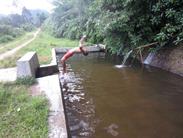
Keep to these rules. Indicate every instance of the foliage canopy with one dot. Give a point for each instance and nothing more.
(120, 24)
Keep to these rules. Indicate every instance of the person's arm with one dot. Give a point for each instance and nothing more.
(82, 40)
(81, 45)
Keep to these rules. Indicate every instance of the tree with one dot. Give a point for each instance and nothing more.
(120, 24)
(69, 17)
(26, 14)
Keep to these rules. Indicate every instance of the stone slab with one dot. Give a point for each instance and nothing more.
(57, 123)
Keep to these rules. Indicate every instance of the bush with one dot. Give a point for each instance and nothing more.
(8, 33)
(25, 81)
(28, 27)
(16, 32)
(6, 38)
(5, 29)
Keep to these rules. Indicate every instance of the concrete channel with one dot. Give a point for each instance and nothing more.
(90, 49)
(47, 77)
(49, 84)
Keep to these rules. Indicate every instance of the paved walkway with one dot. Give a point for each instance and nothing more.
(8, 75)
(50, 86)
(13, 51)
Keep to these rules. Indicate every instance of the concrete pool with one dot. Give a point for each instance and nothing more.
(102, 101)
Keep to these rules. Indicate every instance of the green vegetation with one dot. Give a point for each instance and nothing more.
(22, 115)
(26, 81)
(9, 33)
(18, 41)
(42, 45)
(121, 24)
(15, 25)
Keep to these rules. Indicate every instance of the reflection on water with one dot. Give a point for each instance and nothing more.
(103, 101)
(120, 66)
(112, 129)
(80, 109)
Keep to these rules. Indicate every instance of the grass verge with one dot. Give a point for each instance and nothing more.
(20, 40)
(28, 81)
(42, 45)
(22, 115)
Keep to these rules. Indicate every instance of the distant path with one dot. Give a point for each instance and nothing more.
(13, 51)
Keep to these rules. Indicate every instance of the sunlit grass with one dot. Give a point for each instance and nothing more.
(42, 45)
(22, 115)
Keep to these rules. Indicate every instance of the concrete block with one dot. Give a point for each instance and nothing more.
(48, 69)
(90, 49)
(54, 57)
(27, 65)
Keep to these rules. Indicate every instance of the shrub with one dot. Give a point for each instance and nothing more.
(6, 38)
(25, 81)
(28, 27)
(16, 32)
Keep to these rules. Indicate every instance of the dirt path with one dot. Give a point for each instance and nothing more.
(13, 51)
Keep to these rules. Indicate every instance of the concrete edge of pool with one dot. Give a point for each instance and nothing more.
(48, 82)
(50, 85)
(53, 91)
(90, 49)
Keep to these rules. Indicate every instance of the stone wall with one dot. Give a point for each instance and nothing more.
(170, 59)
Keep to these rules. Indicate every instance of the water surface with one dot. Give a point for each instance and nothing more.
(132, 102)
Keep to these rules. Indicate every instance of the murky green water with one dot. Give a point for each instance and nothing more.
(134, 102)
